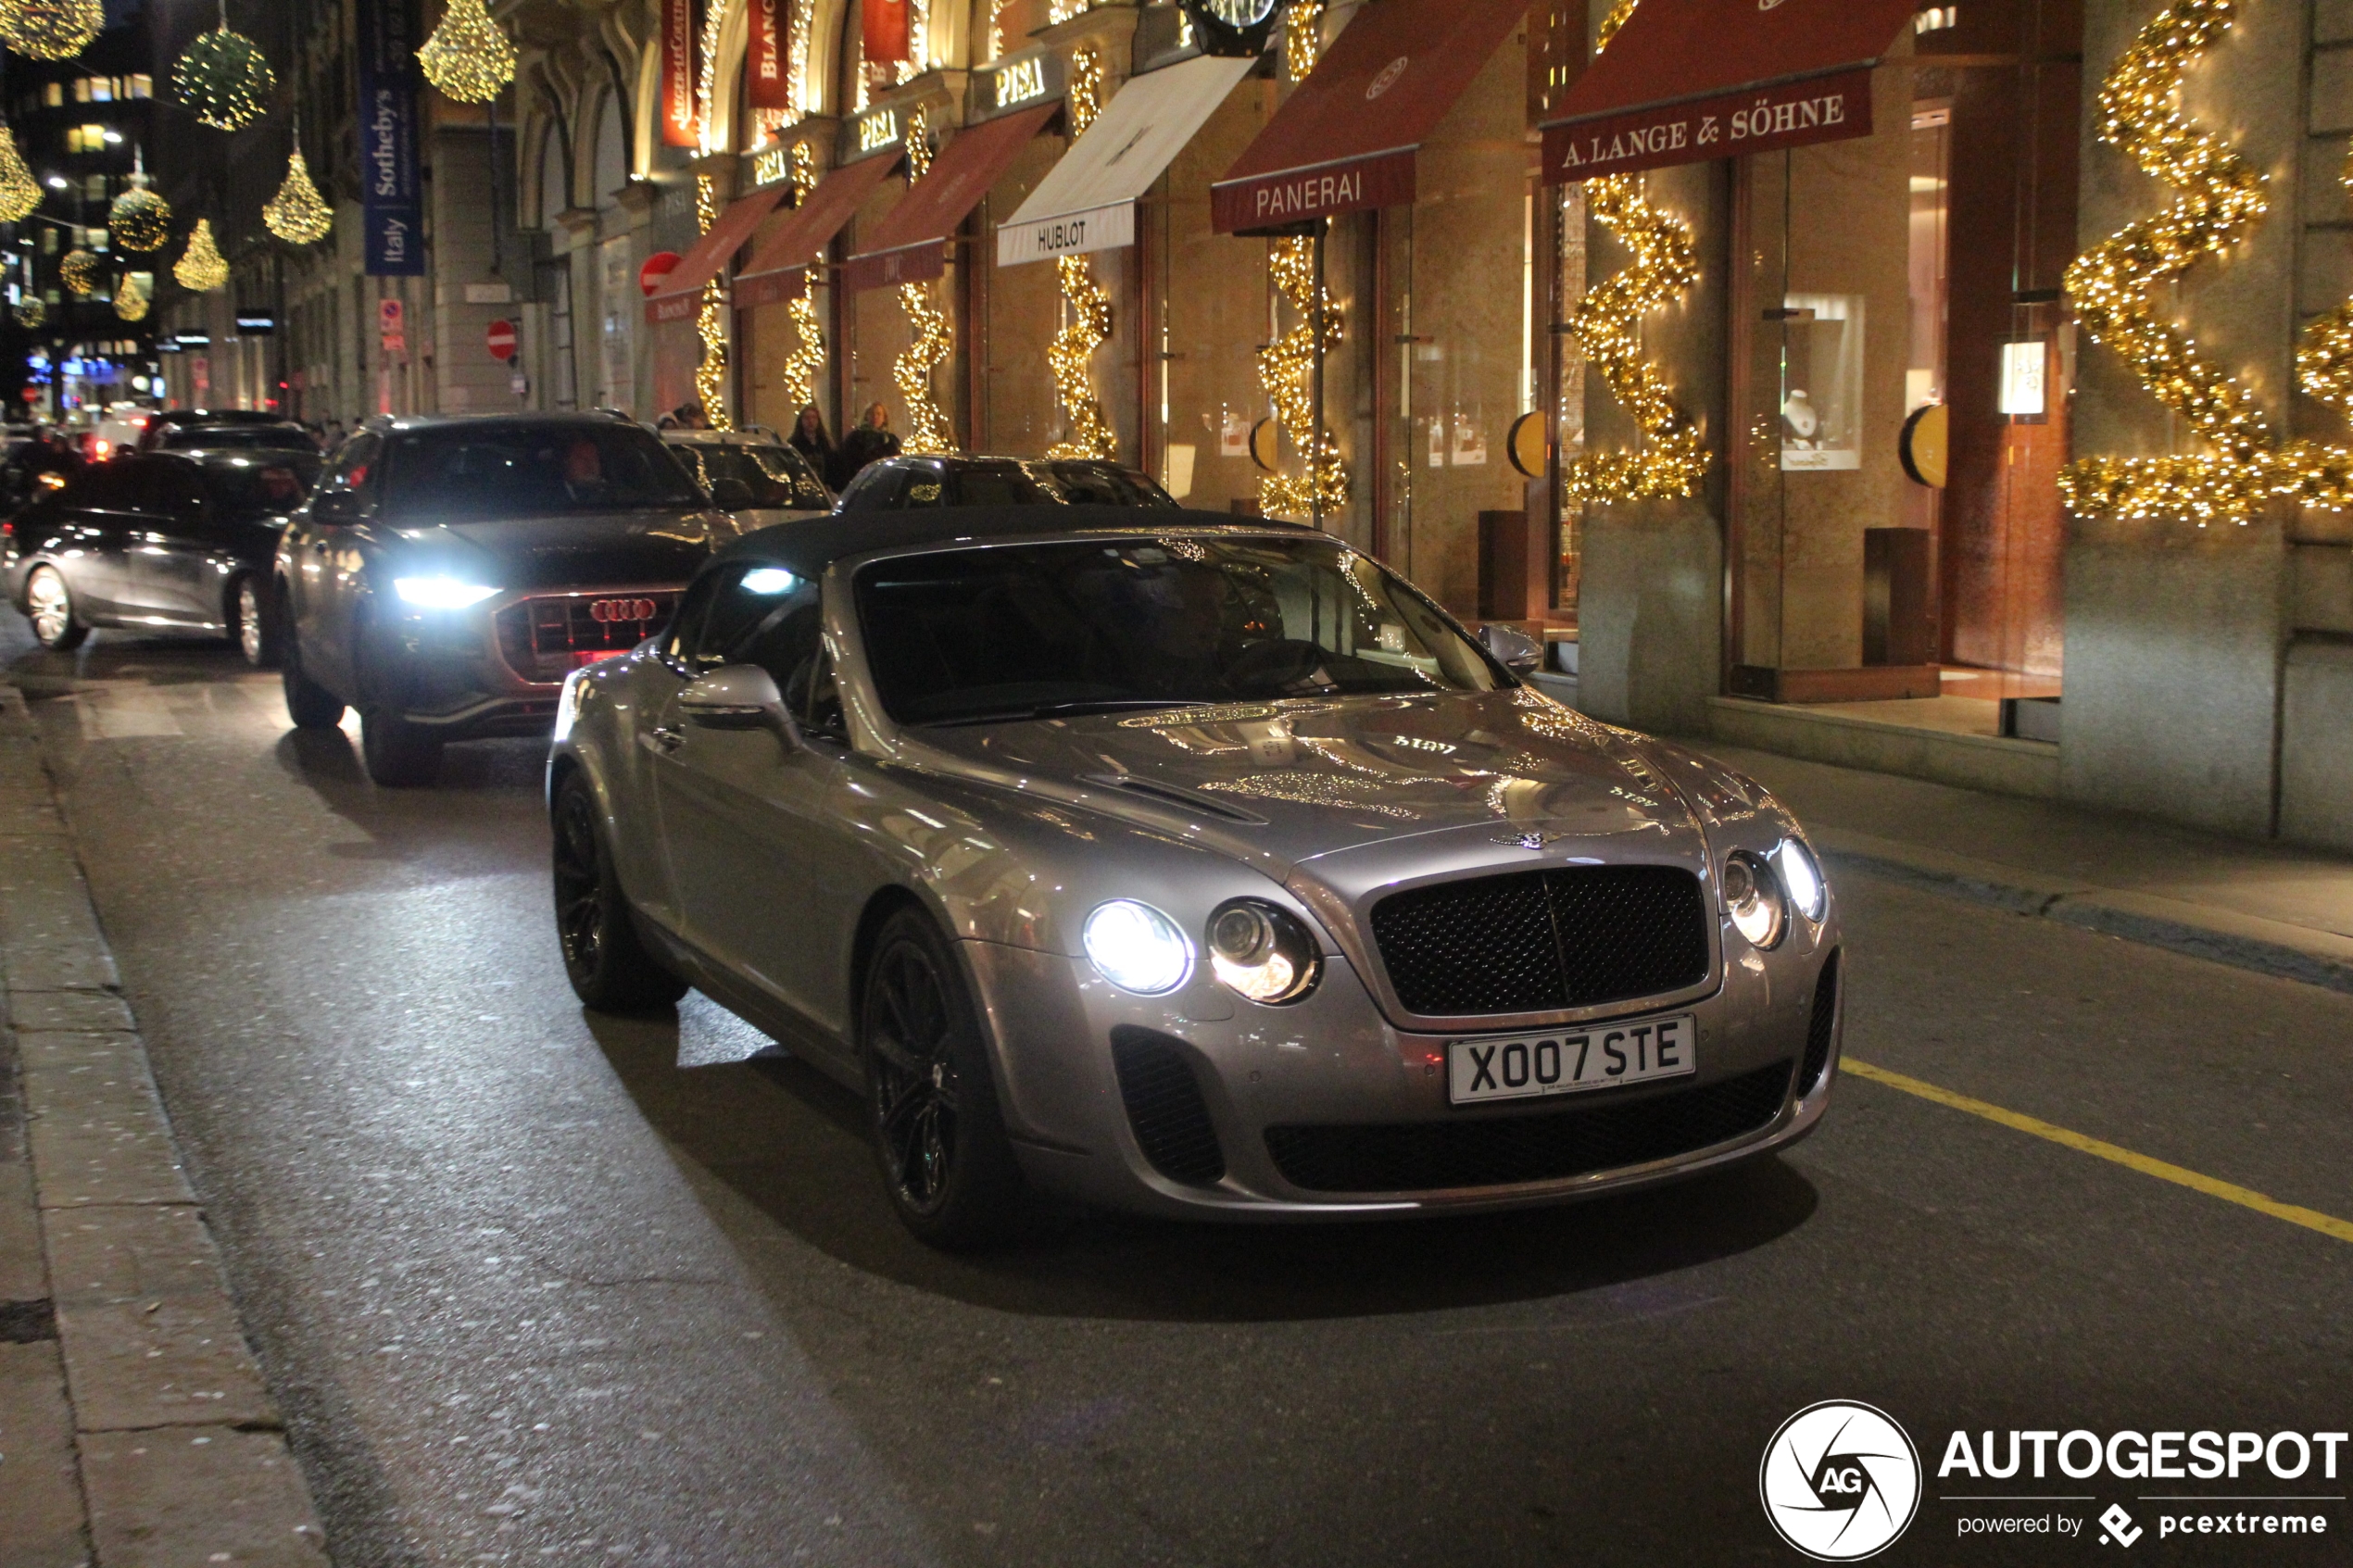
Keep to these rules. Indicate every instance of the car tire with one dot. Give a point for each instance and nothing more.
(252, 621)
(397, 754)
(309, 704)
(57, 624)
(607, 963)
(931, 1099)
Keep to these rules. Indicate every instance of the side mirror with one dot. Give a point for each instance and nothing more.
(1513, 648)
(731, 494)
(738, 696)
(334, 507)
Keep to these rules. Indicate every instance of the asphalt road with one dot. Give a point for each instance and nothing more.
(530, 1290)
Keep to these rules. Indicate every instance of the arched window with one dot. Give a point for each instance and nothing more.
(612, 151)
(555, 176)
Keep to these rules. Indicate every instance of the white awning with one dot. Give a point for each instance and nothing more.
(1087, 201)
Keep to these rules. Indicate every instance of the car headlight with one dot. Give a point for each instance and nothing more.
(1264, 952)
(440, 593)
(1752, 898)
(1802, 876)
(1137, 947)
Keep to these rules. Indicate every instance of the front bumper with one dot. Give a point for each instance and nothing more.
(1336, 1070)
(467, 674)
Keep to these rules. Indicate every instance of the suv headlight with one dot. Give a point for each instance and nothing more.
(440, 593)
(1262, 952)
(1752, 898)
(1802, 876)
(1137, 947)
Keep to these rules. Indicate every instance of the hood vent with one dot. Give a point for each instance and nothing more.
(1170, 794)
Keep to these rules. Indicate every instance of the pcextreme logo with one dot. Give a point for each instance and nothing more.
(1841, 1480)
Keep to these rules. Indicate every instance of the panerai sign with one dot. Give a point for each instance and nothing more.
(1822, 108)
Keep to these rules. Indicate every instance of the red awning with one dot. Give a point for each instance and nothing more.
(675, 299)
(1689, 81)
(1344, 139)
(779, 269)
(905, 246)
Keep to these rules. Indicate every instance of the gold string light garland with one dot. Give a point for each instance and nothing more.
(31, 311)
(1086, 432)
(1607, 326)
(201, 266)
(130, 298)
(224, 78)
(927, 429)
(808, 356)
(19, 192)
(79, 271)
(297, 213)
(50, 30)
(710, 376)
(140, 219)
(468, 56)
(1287, 366)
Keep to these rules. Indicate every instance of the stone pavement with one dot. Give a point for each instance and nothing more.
(134, 1429)
(2267, 906)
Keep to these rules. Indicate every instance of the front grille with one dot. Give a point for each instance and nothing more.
(546, 639)
(1539, 941)
(1821, 1027)
(1165, 1107)
(1550, 1145)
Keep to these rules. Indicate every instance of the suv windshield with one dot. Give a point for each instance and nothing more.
(265, 484)
(1033, 631)
(777, 476)
(507, 469)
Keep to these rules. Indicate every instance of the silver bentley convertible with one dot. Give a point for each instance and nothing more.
(1162, 862)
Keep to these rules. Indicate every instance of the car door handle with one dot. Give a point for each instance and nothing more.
(667, 740)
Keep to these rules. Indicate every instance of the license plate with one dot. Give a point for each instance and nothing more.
(583, 657)
(1569, 1061)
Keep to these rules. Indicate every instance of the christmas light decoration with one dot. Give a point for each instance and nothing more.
(50, 30)
(131, 298)
(224, 78)
(1086, 434)
(30, 311)
(1607, 326)
(928, 429)
(808, 355)
(468, 56)
(79, 271)
(710, 376)
(140, 219)
(298, 212)
(2324, 359)
(1287, 366)
(1302, 37)
(20, 193)
(796, 60)
(201, 266)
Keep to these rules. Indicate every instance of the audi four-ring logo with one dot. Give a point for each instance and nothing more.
(607, 612)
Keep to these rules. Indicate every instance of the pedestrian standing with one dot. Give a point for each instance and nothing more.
(815, 443)
(871, 440)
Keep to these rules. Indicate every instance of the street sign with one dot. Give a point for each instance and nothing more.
(392, 326)
(658, 267)
(501, 339)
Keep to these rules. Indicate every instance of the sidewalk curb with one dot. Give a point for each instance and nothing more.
(177, 1453)
(2249, 942)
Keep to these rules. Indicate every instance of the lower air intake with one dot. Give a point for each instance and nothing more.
(1165, 1107)
(1822, 1028)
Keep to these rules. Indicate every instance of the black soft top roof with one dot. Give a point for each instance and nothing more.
(807, 547)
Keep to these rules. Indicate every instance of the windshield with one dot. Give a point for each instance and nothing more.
(478, 472)
(267, 484)
(1106, 485)
(777, 476)
(1030, 631)
(201, 436)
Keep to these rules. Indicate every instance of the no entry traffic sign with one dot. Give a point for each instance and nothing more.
(658, 267)
(501, 339)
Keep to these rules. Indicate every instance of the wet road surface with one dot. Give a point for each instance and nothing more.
(530, 1287)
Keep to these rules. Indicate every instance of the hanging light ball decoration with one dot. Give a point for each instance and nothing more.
(226, 79)
(140, 219)
(50, 30)
(30, 311)
(297, 212)
(78, 270)
(20, 193)
(201, 266)
(468, 56)
(131, 298)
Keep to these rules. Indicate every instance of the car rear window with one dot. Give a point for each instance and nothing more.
(264, 484)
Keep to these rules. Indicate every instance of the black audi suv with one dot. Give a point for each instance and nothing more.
(450, 572)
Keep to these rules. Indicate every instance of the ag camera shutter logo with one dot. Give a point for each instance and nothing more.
(1841, 1480)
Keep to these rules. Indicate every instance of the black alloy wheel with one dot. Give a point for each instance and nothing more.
(49, 605)
(254, 621)
(945, 1158)
(604, 958)
(309, 704)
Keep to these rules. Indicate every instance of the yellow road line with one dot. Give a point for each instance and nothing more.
(2245, 1198)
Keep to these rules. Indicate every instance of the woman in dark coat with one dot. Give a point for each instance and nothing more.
(811, 439)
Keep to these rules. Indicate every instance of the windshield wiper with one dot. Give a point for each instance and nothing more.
(1064, 710)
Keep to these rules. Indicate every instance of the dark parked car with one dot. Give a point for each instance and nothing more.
(957, 480)
(162, 540)
(451, 572)
(220, 427)
(752, 474)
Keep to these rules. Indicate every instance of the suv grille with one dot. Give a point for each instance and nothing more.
(1165, 1107)
(547, 639)
(1536, 941)
(1498, 1150)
